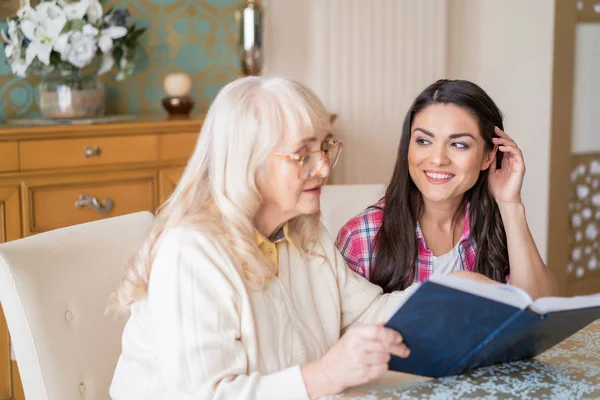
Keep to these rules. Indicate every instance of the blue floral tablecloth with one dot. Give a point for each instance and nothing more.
(570, 370)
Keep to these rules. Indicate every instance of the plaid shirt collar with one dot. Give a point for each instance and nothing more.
(466, 251)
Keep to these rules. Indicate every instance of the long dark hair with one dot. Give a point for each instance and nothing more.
(396, 245)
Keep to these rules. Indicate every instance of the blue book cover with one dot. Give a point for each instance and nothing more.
(452, 325)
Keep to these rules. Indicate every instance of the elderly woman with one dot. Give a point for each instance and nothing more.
(239, 292)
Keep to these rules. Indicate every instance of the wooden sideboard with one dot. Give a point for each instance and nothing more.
(58, 175)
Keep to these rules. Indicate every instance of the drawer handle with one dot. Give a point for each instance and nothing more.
(100, 206)
(95, 152)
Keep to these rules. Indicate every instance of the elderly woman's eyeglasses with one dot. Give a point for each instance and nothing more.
(310, 164)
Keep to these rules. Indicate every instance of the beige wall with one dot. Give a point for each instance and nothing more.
(286, 39)
(506, 46)
(586, 89)
(368, 59)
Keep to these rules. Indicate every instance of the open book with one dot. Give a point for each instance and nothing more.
(453, 325)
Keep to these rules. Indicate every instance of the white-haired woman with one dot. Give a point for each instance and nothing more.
(239, 292)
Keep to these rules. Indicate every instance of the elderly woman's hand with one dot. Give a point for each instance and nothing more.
(361, 355)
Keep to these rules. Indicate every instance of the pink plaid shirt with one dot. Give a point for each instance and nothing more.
(355, 241)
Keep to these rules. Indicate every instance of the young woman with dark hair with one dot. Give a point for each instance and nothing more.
(453, 204)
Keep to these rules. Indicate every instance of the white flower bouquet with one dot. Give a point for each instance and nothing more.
(70, 35)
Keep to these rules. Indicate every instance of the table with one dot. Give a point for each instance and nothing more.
(569, 370)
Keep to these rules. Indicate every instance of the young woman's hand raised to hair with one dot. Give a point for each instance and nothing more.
(527, 269)
(506, 182)
(361, 355)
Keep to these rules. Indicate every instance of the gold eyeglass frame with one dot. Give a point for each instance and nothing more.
(300, 158)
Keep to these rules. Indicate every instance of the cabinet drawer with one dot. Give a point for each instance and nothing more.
(64, 153)
(57, 205)
(9, 156)
(178, 146)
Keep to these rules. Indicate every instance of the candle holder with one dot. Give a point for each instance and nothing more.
(178, 102)
(178, 106)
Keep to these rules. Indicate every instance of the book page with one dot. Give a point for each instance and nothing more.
(502, 293)
(546, 305)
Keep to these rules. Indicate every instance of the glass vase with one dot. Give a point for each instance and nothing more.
(69, 95)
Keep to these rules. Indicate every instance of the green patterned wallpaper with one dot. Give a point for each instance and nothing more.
(193, 36)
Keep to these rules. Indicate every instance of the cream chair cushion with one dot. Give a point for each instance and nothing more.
(339, 203)
(54, 289)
